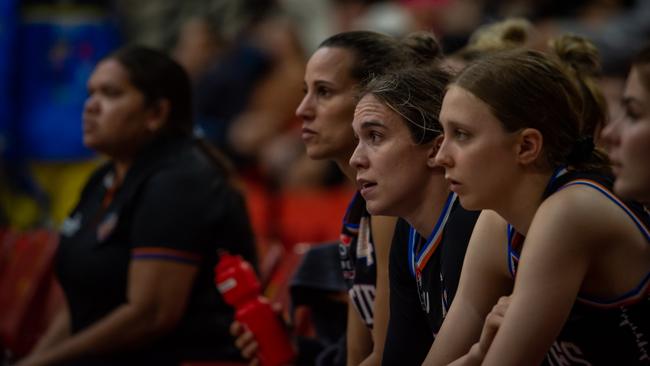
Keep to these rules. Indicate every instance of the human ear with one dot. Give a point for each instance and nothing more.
(433, 151)
(158, 115)
(529, 145)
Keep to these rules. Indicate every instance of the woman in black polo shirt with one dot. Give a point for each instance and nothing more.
(136, 255)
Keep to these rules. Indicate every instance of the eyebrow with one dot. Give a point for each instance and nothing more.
(372, 123)
(454, 123)
(323, 82)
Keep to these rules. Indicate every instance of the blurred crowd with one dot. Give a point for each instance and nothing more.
(246, 59)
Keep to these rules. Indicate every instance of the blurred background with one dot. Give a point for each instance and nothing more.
(246, 59)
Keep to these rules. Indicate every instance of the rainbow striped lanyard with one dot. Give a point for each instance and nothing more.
(417, 261)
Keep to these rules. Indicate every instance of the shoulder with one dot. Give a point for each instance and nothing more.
(187, 170)
(581, 211)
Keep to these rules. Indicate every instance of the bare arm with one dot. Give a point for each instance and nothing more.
(383, 228)
(359, 338)
(483, 280)
(156, 298)
(558, 250)
(56, 332)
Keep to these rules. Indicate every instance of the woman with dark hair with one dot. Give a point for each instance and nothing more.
(573, 257)
(629, 137)
(136, 255)
(397, 125)
(341, 66)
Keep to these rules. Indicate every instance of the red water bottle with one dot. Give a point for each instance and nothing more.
(237, 282)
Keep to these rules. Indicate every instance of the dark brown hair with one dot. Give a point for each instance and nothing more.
(415, 94)
(157, 76)
(376, 54)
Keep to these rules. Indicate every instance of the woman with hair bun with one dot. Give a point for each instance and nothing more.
(343, 65)
(572, 256)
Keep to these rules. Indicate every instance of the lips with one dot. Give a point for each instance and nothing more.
(366, 187)
(307, 133)
(454, 185)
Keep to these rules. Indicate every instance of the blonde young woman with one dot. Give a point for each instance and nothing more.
(573, 257)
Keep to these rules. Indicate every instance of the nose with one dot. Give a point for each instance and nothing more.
(305, 110)
(443, 157)
(91, 105)
(611, 135)
(359, 160)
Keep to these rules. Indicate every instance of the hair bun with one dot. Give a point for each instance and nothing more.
(424, 46)
(578, 53)
(504, 35)
(516, 31)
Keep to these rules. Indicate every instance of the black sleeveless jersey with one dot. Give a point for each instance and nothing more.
(358, 259)
(599, 331)
(424, 275)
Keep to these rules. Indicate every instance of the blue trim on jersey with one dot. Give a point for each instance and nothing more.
(352, 226)
(436, 233)
(411, 248)
(637, 290)
(626, 296)
(614, 199)
(512, 255)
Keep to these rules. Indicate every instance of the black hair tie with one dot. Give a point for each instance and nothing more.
(582, 150)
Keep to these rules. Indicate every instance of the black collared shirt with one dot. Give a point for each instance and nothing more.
(174, 204)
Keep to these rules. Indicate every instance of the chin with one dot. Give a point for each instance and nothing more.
(470, 204)
(314, 153)
(374, 208)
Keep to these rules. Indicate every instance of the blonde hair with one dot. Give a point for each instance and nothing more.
(508, 34)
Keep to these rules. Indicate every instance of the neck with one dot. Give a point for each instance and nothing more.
(427, 210)
(524, 199)
(121, 168)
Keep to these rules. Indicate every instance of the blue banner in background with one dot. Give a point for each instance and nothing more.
(57, 54)
(8, 34)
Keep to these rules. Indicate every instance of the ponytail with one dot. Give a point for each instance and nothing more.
(581, 60)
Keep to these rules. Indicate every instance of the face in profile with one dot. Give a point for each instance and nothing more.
(628, 139)
(477, 153)
(114, 114)
(391, 167)
(327, 108)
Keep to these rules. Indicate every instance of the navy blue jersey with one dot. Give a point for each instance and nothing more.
(424, 275)
(358, 259)
(599, 331)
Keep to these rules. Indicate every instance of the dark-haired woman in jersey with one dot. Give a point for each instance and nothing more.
(396, 121)
(573, 257)
(338, 69)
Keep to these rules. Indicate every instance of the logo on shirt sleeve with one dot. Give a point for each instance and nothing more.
(71, 225)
